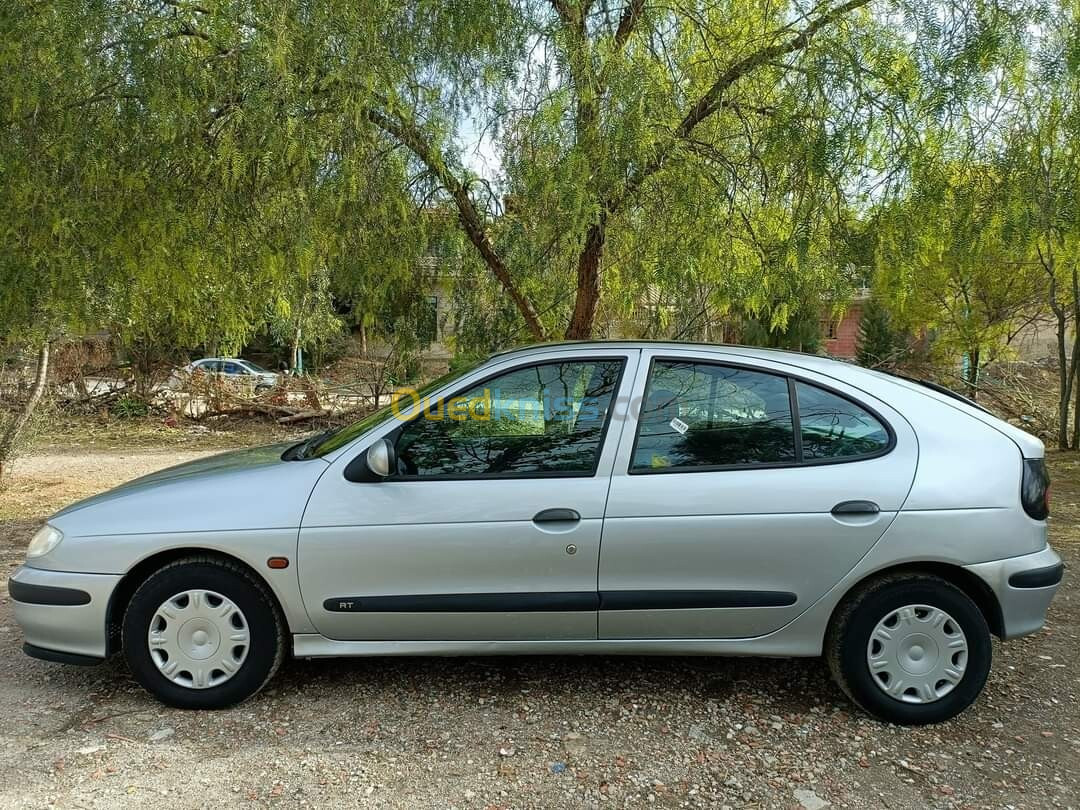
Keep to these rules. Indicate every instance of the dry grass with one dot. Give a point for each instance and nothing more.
(78, 456)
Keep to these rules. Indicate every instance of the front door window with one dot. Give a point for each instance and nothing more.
(547, 419)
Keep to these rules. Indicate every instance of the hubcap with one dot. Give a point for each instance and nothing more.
(198, 639)
(917, 654)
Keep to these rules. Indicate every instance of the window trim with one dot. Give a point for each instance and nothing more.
(622, 359)
(793, 404)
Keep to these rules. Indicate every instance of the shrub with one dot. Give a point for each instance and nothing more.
(130, 408)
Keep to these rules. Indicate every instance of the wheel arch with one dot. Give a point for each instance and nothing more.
(129, 583)
(970, 584)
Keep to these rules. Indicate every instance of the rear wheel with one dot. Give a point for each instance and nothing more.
(203, 633)
(910, 649)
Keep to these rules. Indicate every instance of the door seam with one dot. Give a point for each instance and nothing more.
(611, 477)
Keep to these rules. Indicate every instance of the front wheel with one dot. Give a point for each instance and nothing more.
(910, 649)
(202, 633)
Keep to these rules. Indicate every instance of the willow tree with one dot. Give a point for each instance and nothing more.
(952, 256)
(1042, 152)
(735, 132)
(211, 150)
(137, 195)
(652, 148)
(59, 193)
(617, 124)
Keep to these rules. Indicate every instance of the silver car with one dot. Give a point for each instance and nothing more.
(645, 498)
(229, 368)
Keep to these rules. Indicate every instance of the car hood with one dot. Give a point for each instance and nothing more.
(242, 489)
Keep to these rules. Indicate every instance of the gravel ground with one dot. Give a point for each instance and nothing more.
(526, 732)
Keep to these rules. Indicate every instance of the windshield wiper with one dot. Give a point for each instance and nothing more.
(300, 450)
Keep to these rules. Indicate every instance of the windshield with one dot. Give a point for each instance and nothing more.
(254, 367)
(324, 443)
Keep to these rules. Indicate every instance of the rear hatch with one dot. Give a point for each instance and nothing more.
(1030, 446)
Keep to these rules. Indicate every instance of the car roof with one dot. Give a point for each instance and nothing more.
(863, 378)
(805, 359)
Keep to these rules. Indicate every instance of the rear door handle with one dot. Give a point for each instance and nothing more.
(856, 508)
(556, 516)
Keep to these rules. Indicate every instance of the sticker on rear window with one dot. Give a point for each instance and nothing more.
(679, 426)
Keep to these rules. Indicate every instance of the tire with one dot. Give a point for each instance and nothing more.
(236, 646)
(913, 602)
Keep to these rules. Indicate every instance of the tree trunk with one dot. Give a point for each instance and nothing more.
(1065, 380)
(1070, 386)
(1075, 443)
(1066, 372)
(19, 423)
(588, 282)
(294, 359)
(972, 380)
(1075, 277)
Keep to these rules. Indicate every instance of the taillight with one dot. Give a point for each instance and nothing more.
(1035, 488)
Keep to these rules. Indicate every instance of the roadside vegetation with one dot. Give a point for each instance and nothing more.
(290, 182)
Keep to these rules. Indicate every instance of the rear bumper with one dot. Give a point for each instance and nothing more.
(1024, 587)
(62, 614)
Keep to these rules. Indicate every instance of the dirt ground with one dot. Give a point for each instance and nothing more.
(522, 732)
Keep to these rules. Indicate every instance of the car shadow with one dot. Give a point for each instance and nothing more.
(790, 685)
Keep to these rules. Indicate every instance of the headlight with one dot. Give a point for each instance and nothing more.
(46, 539)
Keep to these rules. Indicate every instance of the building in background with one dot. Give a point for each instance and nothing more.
(840, 336)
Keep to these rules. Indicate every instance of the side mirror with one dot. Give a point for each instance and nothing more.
(377, 463)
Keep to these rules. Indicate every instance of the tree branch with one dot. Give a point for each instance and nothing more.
(713, 99)
(15, 427)
(565, 11)
(627, 22)
(410, 136)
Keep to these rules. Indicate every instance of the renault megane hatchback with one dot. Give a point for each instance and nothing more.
(577, 498)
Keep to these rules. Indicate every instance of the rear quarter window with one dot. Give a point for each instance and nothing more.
(834, 427)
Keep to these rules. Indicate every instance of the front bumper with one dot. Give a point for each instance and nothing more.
(1024, 587)
(62, 614)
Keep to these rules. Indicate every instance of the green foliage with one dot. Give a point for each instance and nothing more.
(800, 332)
(879, 346)
(130, 408)
(302, 316)
(169, 171)
(952, 259)
(196, 173)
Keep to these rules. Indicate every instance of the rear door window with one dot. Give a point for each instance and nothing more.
(705, 415)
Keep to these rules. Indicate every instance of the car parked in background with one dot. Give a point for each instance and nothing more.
(622, 497)
(229, 368)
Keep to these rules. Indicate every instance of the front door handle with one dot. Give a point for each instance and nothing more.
(856, 508)
(556, 516)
